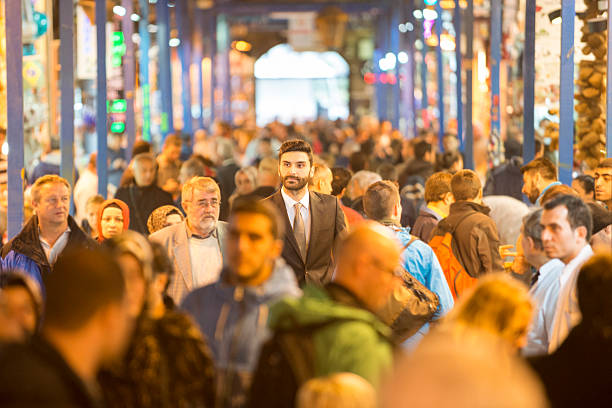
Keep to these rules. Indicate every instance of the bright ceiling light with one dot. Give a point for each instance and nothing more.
(402, 57)
(119, 10)
(135, 17)
(174, 42)
(430, 14)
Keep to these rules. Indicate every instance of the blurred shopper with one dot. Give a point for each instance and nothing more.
(507, 213)
(585, 187)
(268, 179)
(163, 217)
(603, 182)
(506, 179)
(226, 170)
(579, 372)
(450, 161)
(83, 329)
(333, 329)
(555, 191)
(140, 146)
(567, 225)
(85, 188)
(357, 187)
(321, 181)
(422, 164)
(169, 165)
(144, 195)
(116, 155)
(167, 362)
(47, 233)
(544, 284)
(475, 241)
(439, 198)
(21, 307)
(314, 222)
(232, 312)
(113, 219)
(538, 176)
(195, 246)
(192, 167)
(342, 390)
(341, 178)
(602, 227)
(50, 162)
(382, 204)
(90, 223)
(245, 180)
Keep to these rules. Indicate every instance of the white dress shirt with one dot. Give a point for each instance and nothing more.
(52, 252)
(545, 294)
(567, 314)
(290, 206)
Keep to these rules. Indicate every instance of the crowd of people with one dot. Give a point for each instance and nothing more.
(328, 264)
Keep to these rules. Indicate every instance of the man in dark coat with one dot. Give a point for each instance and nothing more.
(82, 330)
(144, 195)
(579, 373)
(225, 174)
(475, 238)
(438, 197)
(47, 233)
(314, 222)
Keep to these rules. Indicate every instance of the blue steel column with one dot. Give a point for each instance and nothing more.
(440, 72)
(184, 52)
(14, 111)
(66, 57)
(223, 46)
(468, 146)
(213, 63)
(496, 39)
(165, 75)
(379, 53)
(459, 71)
(529, 83)
(566, 114)
(145, 87)
(609, 89)
(409, 100)
(129, 73)
(198, 55)
(395, 49)
(424, 101)
(101, 116)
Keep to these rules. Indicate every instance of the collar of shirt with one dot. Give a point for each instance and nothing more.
(584, 254)
(554, 183)
(190, 233)
(551, 266)
(435, 212)
(42, 240)
(290, 202)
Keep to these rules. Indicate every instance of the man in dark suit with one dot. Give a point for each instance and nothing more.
(314, 222)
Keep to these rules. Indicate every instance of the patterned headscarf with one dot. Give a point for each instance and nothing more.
(157, 219)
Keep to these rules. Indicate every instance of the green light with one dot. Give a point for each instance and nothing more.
(115, 61)
(117, 38)
(118, 106)
(117, 127)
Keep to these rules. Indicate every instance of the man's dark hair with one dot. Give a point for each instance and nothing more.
(141, 146)
(465, 185)
(15, 279)
(532, 227)
(420, 149)
(387, 171)
(601, 217)
(82, 282)
(379, 199)
(578, 213)
(246, 205)
(341, 179)
(539, 144)
(587, 182)
(358, 161)
(513, 148)
(296, 145)
(543, 166)
(594, 286)
(193, 167)
(173, 140)
(605, 163)
(447, 159)
(437, 186)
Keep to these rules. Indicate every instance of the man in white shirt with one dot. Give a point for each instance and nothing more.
(544, 284)
(566, 231)
(196, 245)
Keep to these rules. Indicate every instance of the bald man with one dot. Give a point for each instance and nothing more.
(333, 329)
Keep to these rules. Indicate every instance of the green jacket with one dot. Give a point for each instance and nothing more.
(346, 338)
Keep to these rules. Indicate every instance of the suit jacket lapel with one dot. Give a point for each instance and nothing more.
(182, 257)
(317, 217)
(277, 198)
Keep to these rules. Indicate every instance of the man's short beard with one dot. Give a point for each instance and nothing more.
(303, 182)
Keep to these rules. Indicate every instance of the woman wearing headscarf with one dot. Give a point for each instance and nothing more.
(163, 217)
(113, 219)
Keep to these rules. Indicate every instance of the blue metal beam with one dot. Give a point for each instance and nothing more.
(165, 73)
(468, 146)
(66, 57)
(183, 24)
(529, 83)
(496, 39)
(379, 53)
(145, 87)
(408, 91)
(566, 113)
(213, 62)
(101, 116)
(395, 49)
(223, 48)
(198, 55)
(14, 111)
(459, 71)
(129, 73)
(440, 72)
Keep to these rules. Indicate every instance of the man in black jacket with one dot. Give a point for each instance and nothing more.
(82, 329)
(49, 232)
(144, 195)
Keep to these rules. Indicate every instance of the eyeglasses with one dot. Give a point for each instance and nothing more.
(214, 203)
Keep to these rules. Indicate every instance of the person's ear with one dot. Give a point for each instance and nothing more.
(277, 249)
(581, 232)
